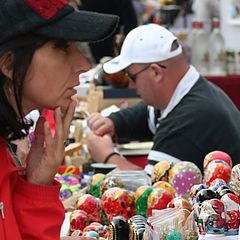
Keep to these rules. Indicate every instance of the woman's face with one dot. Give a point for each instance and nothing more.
(52, 76)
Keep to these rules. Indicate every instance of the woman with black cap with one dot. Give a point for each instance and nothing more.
(39, 68)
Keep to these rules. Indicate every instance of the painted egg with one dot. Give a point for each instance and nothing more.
(234, 183)
(183, 176)
(91, 205)
(179, 202)
(79, 219)
(161, 171)
(118, 202)
(158, 199)
(215, 170)
(109, 183)
(205, 194)
(165, 185)
(141, 196)
(217, 155)
(102, 230)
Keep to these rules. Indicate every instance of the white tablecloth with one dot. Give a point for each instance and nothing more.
(66, 225)
(214, 237)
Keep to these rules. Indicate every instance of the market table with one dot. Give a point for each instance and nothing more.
(136, 152)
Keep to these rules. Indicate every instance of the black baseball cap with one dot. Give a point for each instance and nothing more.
(54, 19)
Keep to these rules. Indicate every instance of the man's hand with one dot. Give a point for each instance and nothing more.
(101, 125)
(99, 147)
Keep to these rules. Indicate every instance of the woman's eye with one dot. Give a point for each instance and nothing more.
(62, 45)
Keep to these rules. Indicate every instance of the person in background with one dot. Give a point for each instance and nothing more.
(127, 21)
(39, 68)
(145, 9)
(184, 115)
(205, 10)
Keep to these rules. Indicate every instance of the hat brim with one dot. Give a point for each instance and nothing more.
(115, 65)
(81, 26)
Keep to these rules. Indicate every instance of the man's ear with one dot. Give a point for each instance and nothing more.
(6, 64)
(158, 71)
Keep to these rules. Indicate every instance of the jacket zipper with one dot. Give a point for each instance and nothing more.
(2, 227)
(2, 210)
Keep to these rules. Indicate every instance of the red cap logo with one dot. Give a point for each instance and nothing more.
(46, 8)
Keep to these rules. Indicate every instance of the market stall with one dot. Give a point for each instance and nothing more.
(176, 202)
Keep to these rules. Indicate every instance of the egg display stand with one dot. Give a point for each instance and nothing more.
(70, 202)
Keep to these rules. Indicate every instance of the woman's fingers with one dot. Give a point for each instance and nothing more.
(59, 135)
(39, 131)
(69, 116)
(63, 122)
(49, 141)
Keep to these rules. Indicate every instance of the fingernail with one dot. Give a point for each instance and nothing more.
(58, 110)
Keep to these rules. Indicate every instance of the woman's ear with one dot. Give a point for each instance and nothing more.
(6, 64)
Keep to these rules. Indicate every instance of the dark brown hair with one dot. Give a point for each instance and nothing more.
(13, 126)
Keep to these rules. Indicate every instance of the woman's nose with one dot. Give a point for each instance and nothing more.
(81, 64)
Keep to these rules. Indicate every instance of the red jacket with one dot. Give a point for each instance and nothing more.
(30, 212)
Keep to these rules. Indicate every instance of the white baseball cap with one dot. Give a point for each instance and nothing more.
(144, 44)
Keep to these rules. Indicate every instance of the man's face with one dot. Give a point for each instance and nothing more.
(145, 82)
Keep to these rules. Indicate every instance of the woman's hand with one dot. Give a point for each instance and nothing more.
(47, 151)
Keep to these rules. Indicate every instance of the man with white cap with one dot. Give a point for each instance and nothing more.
(185, 115)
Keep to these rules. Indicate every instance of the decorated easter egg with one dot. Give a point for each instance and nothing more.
(119, 228)
(91, 205)
(137, 225)
(194, 190)
(79, 219)
(179, 202)
(161, 171)
(215, 170)
(96, 178)
(118, 202)
(231, 205)
(141, 195)
(174, 235)
(91, 234)
(223, 192)
(69, 185)
(205, 194)
(183, 176)
(217, 155)
(165, 185)
(211, 219)
(65, 191)
(217, 182)
(102, 230)
(95, 184)
(190, 234)
(158, 199)
(109, 183)
(234, 183)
